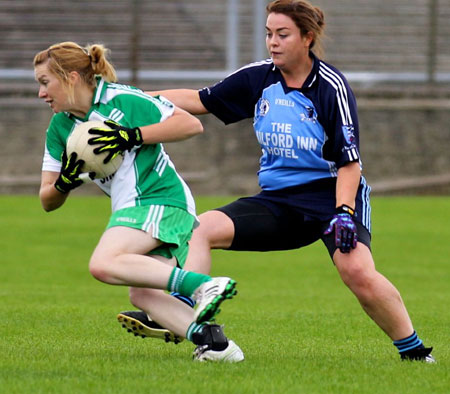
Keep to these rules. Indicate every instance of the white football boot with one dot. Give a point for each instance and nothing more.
(231, 354)
(209, 295)
(213, 345)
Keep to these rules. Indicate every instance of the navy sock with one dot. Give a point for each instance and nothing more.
(409, 343)
(187, 300)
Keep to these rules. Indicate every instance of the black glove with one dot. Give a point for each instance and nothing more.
(115, 140)
(345, 231)
(69, 177)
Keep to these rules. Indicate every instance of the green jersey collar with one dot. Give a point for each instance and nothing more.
(101, 87)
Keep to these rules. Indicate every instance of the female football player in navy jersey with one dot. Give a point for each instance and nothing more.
(305, 120)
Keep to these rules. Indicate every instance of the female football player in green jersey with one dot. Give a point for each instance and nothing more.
(153, 214)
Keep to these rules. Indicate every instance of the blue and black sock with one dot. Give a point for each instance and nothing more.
(187, 300)
(408, 344)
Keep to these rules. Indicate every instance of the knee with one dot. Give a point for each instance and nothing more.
(140, 296)
(203, 233)
(98, 268)
(216, 230)
(357, 276)
(136, 296)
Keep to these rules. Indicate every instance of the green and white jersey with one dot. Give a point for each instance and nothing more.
(147, 176)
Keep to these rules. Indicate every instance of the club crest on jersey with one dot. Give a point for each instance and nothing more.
(349, 133)
(263, 107)
(309, 116)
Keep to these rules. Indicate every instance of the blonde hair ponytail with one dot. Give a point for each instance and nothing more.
(99, 62)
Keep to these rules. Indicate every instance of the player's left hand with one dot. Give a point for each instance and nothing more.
(345, 231)
(71, 176)
(114, 139)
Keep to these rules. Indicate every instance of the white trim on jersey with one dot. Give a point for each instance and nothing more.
(341, 92)
(99, 90)
(49, 163)
(333, 169)
(190, 202)
(254, 64)
(161, 162)
(124, 190)
(366, 208)
(312, 82)
(95, 115)
(166, 108)
(116, 90)
(153, 220)
(352, 154)
(116, 115)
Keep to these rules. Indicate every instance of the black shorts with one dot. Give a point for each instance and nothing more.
(262, 227)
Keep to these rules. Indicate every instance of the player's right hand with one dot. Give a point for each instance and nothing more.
(69, 177)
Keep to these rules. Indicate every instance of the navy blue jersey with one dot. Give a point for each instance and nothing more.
(305, 134)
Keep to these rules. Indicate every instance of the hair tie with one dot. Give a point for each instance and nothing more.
(87, 54)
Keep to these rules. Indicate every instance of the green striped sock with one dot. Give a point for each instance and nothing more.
(185, 282)
(193, 328)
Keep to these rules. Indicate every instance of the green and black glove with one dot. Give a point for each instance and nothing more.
(69, 177)
(115, 140)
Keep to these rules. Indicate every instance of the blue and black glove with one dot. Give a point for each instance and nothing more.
(345, 231)
(114, 139)
(70, 176)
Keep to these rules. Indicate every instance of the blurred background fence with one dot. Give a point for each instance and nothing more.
(396, 56)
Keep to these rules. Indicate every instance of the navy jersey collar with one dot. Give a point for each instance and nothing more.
(310, 80)
(312, 77)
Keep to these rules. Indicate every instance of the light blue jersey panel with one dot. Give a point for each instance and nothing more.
(291, 139)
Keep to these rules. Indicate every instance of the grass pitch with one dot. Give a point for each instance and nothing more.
(300, 329)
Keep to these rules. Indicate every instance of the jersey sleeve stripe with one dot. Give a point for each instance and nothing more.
(366, 209)
(161, 163)
(339, 98)
(116, 115)
(336, 81)
(342, 88)
(352, 155)
(254, 64)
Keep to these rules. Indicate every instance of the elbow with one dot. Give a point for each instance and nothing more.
(49, 204)
(46, 206)
(197, 127)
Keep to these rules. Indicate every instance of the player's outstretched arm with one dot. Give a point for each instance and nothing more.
(187, 99)
(347, 184)
(180, 126)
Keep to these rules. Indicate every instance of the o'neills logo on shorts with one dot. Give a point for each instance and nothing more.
(125, 219)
